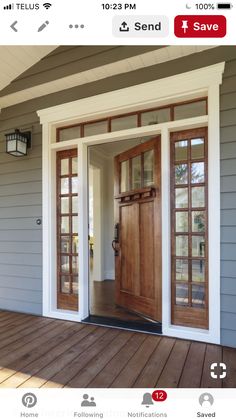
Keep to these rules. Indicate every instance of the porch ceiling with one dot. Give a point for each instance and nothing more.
(160, 55)
(17, 59)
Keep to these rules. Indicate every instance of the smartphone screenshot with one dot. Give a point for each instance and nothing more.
(117, 209)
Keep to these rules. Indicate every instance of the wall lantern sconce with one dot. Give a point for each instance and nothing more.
(18, 142)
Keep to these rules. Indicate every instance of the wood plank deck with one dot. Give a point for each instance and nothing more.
(40, 352)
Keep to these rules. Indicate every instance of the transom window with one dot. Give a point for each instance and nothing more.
(154, 116)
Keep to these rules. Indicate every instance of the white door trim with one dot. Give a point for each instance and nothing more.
(205, 81)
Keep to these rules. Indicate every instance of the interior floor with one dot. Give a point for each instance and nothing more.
(102, 303)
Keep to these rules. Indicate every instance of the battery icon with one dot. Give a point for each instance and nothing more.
(224, 6)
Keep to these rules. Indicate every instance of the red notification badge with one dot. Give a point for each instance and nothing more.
(159, 395)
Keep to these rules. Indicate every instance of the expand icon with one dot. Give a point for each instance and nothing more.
(218, 370)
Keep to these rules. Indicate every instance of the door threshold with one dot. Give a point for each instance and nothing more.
(154, 328)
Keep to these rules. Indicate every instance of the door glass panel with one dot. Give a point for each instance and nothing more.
(74, 182)
(65, 284)
(75, 224)
(95, 128)
(197, 173)
(181, 222)
(148, 175)
(65, 244)
(74, 165)
(181, 245)
(75, 204)
(181, 198)
(198, 296)
(64, 186)
(181, 294)
(181, 174)
(74, 264)
(65, 264)
(190, 110)
(75, 244)
(64, 205)
(198, 221)
(198, 246)
(136, 172)
(124, 187)
(181, 270)
(75, 285)
(198, 270)
(125, 122)
(198, 197)
(197, 148)
(65, 226)
(181, 150)
(64, 167)
(155, 117)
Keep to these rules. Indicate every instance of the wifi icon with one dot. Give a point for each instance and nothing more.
(47, 5)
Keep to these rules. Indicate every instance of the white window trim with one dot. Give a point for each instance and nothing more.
(197, 83)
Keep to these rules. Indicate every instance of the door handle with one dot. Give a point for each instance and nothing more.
(115, 242)
(114, 247)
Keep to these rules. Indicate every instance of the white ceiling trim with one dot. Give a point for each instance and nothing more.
(148, 59)
(17, 59)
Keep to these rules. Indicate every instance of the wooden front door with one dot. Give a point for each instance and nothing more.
(67, 230)
(137, 237)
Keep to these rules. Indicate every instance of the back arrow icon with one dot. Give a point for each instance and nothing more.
(13, 26)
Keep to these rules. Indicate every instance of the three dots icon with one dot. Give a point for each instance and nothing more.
(76, 26)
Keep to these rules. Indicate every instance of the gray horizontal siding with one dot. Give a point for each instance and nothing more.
(228, 205)
(20, 179)
(20, 236)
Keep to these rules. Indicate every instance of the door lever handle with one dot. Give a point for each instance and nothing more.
(114, 247)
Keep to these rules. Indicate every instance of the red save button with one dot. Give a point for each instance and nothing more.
(195, 26)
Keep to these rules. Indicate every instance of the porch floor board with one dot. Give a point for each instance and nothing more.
(41, 352)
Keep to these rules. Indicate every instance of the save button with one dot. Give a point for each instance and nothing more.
(195, 26)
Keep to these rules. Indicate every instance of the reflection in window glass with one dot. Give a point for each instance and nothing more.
(64, 167)
(124, 187)
(75, 224)
(74, 264)
(67, 134)
(181, 150)
(181, 198)
(198, 296)
(198, 246)
(125, 122)
(197, 173)
(65, 284)
(75, 184)
(155, 117)
(136, 172)
(181, 219)
(64, 186)
(181, 243)
(190, 110)
(75, 285)
(181, 270)
(198, 221)
(65, 229)
(65, 205)
(75, 242)
(198, 197)
(95, 128)
(198, 270)
(181, 294)
(74, 165)
(65, 244)
(148, 174)
(181, 174)
(65, 264)
(75, 204)
(197, 148)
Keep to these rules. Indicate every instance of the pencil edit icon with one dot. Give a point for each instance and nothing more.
(43, 26)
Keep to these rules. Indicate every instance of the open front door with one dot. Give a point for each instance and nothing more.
(137, 238)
